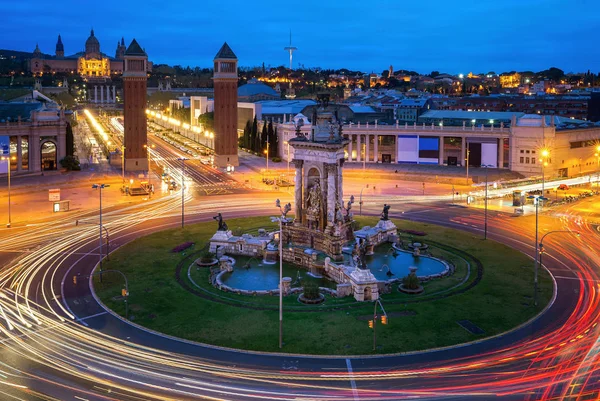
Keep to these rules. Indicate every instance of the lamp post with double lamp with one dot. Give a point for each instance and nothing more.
(100, 187)
(541, 252)
(544, 160)
(182, 159)
(282, 219)
(288, 156)
(8, 159)
(467, 163)
(123, 163)
(485, 219)
(597, 154)
(360, 202)
(536, 201)
(267, 157)
(149, 162)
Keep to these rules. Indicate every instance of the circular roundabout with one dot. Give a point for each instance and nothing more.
(179, 288)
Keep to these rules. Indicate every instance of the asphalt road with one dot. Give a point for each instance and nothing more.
(102, 357)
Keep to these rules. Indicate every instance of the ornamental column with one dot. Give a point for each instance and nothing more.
(501, 153)
(101, 94)
(108, 98)
(376, 148)
(298, 189)
(19, 154)
(441, 151)
(350, 147)
(114, 94)
(340, 189)
(95, 93)
(367, 146)
(358, 148)
(331, 195)
(463, 151)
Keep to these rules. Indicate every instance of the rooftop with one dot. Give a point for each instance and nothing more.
(255, 87)
(471, 115)
(226, 53)
(284, 106)
(12, 111)
(135, 49)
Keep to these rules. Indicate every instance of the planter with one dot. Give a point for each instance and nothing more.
(409, 291)
(306, 301)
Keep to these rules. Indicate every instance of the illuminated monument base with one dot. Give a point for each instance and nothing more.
(140, 164)
(222, 161)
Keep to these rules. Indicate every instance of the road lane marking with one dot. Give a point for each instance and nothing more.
(352, 383)
(576, 278)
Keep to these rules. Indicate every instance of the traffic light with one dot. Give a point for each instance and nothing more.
(383, 319)
(124, 292)
(75, 280)
(370, 324)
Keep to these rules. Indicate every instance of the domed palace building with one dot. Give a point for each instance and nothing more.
(88, 63)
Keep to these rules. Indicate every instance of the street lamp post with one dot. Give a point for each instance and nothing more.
(8, 159)
(183, 159)
(100, 187)
(284, 211)
(123, 163)
(468, 152)
(536, 201)
(597, 154)
(485, 224)
(360, 200)
(267, 157)
(288, 156)
(541, 251)
(78, 222)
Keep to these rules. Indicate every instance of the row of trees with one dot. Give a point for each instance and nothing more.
(256, 141)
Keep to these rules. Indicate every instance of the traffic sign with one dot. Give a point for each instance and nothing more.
(54, 195)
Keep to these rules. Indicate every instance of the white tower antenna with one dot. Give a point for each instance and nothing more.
(291, 49)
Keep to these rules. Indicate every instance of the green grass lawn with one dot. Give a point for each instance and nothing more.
(501, 300)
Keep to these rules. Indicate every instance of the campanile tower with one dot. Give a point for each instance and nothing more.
(225, 82)
(134, 93)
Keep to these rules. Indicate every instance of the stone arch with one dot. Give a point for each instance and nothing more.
(49, 155)
(368, 294)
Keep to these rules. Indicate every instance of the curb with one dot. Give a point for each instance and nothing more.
(317, 356)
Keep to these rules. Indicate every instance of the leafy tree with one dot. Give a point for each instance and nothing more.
(207, 120)
(434, 74)
(263, 136)
(70, 140)
(247, 135)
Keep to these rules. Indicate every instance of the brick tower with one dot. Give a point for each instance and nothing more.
(225, 82)
(134, 92)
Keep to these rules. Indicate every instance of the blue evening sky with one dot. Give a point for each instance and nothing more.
(449, 36)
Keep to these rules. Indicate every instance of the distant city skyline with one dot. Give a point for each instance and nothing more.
(487, 36)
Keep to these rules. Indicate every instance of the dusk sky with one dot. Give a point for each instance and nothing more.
(449, 36)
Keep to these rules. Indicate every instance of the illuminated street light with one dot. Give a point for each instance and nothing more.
(545, 153)
(100, 187)
(282, 219)
(8, 159)
(536, 201)
(182, 159)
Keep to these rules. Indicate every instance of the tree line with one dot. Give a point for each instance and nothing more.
(257, 141)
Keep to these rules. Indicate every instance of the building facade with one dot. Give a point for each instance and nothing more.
(89, 63)
(33, 134)
(134, 96)
(572, 148)
(225, 105)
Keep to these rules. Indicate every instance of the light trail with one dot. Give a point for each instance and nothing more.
(558, 363)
